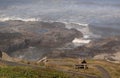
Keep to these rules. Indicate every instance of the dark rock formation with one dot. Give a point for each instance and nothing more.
(17, 36)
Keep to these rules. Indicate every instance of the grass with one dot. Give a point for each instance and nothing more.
(26, 72)
(67, 64)
(112, 68)
(50, 71)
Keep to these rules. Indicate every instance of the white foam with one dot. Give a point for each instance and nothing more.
(80, 41)
(81, 24)
(75, 23)
(17, 18)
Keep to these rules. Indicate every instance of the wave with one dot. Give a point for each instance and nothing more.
(81, 24)
(84, 28)
(76, 24)
(3, 19)
(7, 18)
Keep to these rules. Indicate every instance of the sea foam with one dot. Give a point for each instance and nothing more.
(3, 19)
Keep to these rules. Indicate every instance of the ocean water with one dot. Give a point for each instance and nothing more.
(98, 13)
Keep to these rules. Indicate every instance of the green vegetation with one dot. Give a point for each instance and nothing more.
(59, 68)
(26, 72)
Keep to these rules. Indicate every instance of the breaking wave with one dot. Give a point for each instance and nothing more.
(3, 19)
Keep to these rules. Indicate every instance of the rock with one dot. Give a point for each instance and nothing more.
(19, 36)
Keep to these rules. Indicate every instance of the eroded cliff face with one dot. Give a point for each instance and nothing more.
(17, 37)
